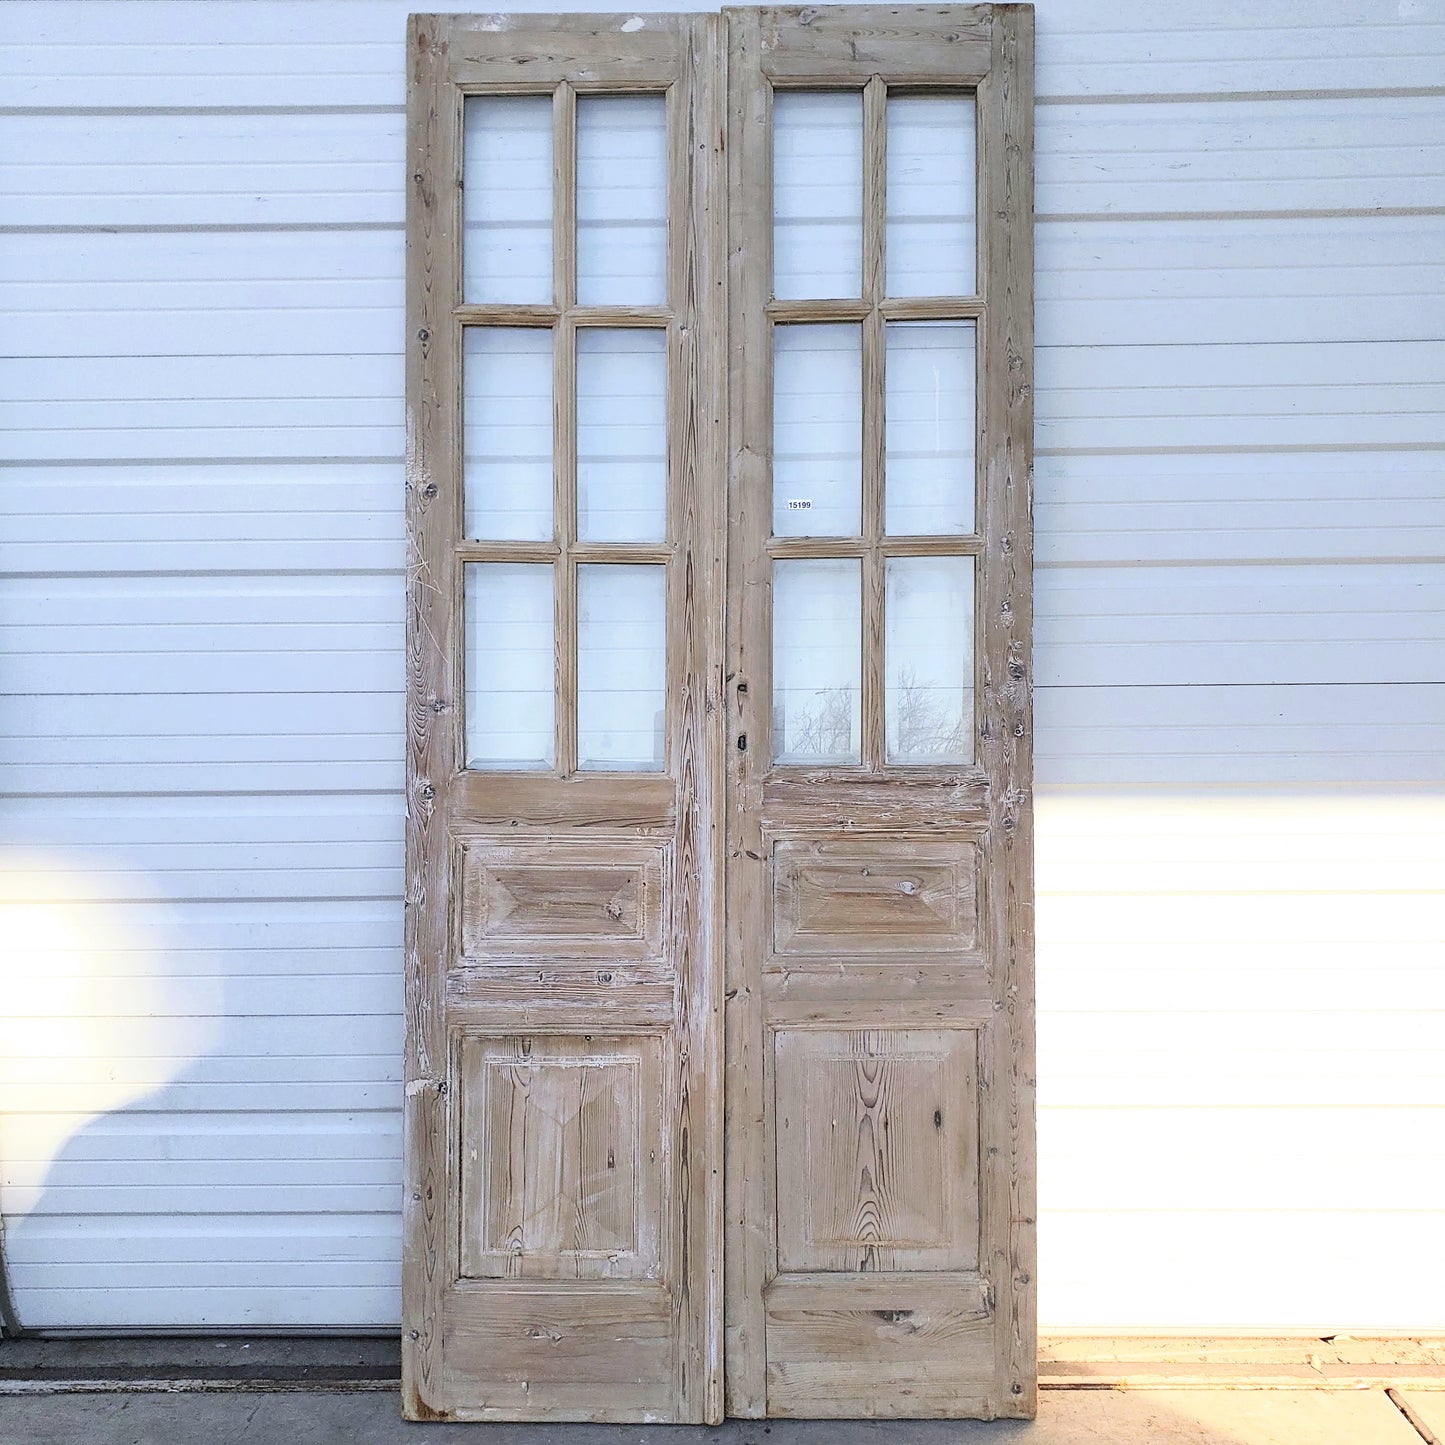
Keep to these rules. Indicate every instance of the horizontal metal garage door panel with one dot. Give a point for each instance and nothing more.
(223, 742)
(193, 1238)
(202, 382)
(162, 554)
(242, 924)
(1187, 157)
(158, 877)
(270, 1253)
(262, 429)
(1144, 398)
(241, 823)
(1193, 1268)
(206, 671)
(1154, 331)
(1120, 626)
(127, 1188)
(1096, 508)
(1273, 155)
(1297, 1159)
(274, 52)
(64, 606)
(247, 1092)
(1253, 854)
(101, 270)
(1249, 506)
(1239, 625)
(1103, 281)
(201, 764)
(1240, 734)
(241, 1040)
(1213, 280)
(1164, 977)
(346, 983)
(177, 638)
(271, 1305)
(199, 330)
(202, 169)
(1131, 398)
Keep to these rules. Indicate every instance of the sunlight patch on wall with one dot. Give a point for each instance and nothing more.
(88, 1024)
(1241, 1057)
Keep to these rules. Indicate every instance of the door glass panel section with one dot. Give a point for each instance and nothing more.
(929, 428)
(621, 435)
(932, 182)
(621, 200)
(507, 433)
(817, 194)
(621, 667)
(928, 659)
(817, 660)
(818, 430)
(510, 664)
(507, 198)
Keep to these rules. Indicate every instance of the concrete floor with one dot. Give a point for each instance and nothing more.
(339, 1391)
(1066, 1417)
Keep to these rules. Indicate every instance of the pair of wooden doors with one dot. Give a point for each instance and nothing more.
(719, 889)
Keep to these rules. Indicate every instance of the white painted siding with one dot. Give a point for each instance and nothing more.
(1241, 518)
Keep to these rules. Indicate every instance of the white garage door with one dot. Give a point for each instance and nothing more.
(1241, 363)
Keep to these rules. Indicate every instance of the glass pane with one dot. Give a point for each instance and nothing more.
(621, 667)
(929, 428)
(511, 669)
(928, 659)
(507, 198)
(817, 660)
(621, 435)
(817, 194)
(818, 430)
(931, 183)
(621, 200)
(507, 432)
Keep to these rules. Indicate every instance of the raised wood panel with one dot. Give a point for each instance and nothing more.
(858, 1345)
(874, 896)
(537, 1351)
(877, 1149)
(861, 1345)
(561, 1157)
(549, 899)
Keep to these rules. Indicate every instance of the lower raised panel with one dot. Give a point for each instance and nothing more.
(879, 1345)
(561, 1156)
(877, 1149)
(538, 1352)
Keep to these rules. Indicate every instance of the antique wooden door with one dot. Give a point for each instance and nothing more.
(880, 897)
(718, 716)
(563, 1251)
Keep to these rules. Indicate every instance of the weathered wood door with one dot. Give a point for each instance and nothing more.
(563, 1251)
(879, 907)
(719, 366)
